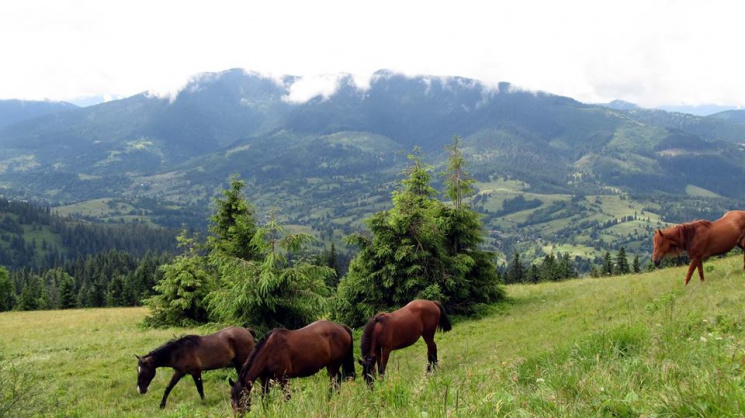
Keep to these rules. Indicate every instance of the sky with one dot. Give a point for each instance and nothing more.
(652, 53)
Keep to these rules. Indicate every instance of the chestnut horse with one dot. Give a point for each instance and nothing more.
(701, 239)
(386, 332)
(284, 354)
(192, 354)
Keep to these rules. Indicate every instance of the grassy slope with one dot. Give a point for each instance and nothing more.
(623, 346)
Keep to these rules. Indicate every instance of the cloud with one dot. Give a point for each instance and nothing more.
(310, 87)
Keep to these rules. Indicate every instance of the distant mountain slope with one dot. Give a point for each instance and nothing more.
(180, 150)
(737, 116)
(13, 111)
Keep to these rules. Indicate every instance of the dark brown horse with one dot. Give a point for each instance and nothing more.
(284, 354)
(386, 332)
(701, 239)
(193, 354)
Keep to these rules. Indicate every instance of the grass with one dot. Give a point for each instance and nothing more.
(621, 346)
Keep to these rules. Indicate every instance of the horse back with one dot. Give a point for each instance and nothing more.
(403, 327)
(220, 349)
(723, 234)
(305, 351)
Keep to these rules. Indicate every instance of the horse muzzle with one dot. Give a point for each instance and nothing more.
(141, 391)
(657, 263)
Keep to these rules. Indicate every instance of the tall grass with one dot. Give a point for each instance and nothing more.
(621, 346)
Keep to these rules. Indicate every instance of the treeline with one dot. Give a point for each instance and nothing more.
(33, 237)
(550, 268)
(112, 278)
(560, 267)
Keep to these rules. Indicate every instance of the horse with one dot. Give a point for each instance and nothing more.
(284, 354)
(193, 354)
(701, 239)
(386, 332)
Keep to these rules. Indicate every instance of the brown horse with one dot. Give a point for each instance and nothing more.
(701, 239)
(285, 354)
(193, 354)
(386, 332)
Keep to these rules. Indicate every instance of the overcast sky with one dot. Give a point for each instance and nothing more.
(648, 52)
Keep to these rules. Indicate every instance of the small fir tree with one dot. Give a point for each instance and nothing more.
(622, 263)
(180, 296)
(270, 291)
(636, 264)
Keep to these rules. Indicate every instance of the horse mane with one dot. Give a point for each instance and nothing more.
(367, 335)
(162, 353)
(687, 231)
(257, 348)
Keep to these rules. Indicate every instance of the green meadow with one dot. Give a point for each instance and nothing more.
(620, 346)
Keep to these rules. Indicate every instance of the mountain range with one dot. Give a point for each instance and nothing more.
(332, 159)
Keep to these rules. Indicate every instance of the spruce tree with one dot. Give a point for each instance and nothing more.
(516, 270)
(233, 225)
(549, 269)
(533, 275)
(67, 292)
(607, 269)
(405, 257)
(622, 263)
(271, 290)
(472, 278)
(180, 296)
(6, 291)
(420, 248)
(636, 264)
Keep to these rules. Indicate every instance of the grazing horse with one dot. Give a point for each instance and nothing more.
(285, 354)
(701, 239)
(192, 354)
(386, 332)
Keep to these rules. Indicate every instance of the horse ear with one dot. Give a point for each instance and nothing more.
(659, 231)
(231, 382)
(138, 357)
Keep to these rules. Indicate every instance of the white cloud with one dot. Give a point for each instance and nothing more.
(309, 87)
(658, 52)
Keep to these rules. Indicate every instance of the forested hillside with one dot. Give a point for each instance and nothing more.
(53, 262)
(553, 175)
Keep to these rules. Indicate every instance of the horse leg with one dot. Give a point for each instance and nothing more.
(265, 385)
(383, 361)
(691, 267)
(198, 382)
(701, 269)
(177, 375)
(431, 353)
(285, 382)
(335, 377)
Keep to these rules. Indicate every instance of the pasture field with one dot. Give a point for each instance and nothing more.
(620, 346)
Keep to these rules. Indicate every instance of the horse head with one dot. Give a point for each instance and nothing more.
(368, 368)
(661, 247)
(240, 395)
(145, 373)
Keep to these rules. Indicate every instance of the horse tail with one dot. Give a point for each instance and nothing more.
(347, 367)
(445, 324)
(368, 344)
(251, 331)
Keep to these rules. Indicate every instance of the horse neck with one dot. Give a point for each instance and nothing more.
(685, 235)
(255, 365)
(164, 359)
